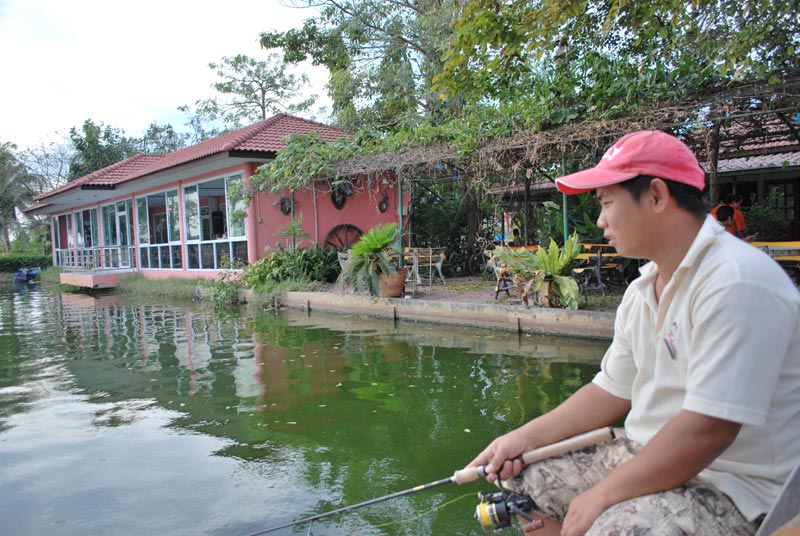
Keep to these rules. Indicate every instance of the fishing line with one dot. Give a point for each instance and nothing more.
(468, 474)
(423, 514)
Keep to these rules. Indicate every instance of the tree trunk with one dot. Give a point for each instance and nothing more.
(712, 150)
(7, 239)
(473, 216)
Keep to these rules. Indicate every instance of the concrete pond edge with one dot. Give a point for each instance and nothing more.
(512, 318)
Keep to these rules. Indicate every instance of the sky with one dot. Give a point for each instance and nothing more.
(123, 64)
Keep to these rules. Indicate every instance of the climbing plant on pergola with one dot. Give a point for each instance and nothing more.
(715, 124)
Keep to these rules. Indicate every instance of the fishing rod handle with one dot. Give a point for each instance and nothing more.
(587, 439)
(468, 474)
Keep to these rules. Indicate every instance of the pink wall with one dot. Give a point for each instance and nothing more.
(320, 216)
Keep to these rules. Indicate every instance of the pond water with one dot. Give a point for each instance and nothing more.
(132, 418)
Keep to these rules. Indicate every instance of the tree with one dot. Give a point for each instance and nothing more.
(506, 50)
(382, 58)
(50, 162)
(17, 189)
(97, 146)
(252, 90)
(162, 139)
(198, 123)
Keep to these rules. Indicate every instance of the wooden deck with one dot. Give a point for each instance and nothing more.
(93, 279)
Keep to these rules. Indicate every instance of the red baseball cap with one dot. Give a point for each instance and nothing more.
(647, 152)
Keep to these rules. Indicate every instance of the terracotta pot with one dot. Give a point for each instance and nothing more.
(391, 286)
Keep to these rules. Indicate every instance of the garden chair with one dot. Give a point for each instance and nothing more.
(784, 516)
(503, 276)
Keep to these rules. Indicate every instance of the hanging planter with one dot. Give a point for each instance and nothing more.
(384, 203)
(286, 205)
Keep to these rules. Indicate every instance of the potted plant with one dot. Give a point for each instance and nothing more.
(546, 273)
(372, 267)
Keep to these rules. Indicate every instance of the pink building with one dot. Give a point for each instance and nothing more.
(185, 213)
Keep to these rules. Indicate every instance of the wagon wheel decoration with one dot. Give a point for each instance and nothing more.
(342, 237)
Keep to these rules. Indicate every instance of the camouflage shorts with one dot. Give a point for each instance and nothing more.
(694, 508)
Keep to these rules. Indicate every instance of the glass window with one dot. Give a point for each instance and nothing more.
(237, 205)
(191, 208)
(109, 214)
(123, 210)
(173, 216)
(56, 233)
(85, 228)
(78, 216)
(142, 220)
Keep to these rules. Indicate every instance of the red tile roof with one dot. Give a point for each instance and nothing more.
(262, 137)
(760, 162)
(113, 174)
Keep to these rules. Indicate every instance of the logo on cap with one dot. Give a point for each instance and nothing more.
(611, 153)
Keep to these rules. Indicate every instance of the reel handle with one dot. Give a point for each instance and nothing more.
(587, 439)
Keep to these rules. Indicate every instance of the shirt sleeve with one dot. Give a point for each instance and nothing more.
(618, 369)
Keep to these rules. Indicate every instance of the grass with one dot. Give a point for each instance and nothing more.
(467, 287)
(170, 288)
(595, 301)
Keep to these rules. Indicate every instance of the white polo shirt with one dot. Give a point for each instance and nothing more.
(723, 341)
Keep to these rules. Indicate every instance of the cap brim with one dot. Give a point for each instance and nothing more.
(591, 179)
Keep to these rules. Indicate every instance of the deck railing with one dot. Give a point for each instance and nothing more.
(96, 258)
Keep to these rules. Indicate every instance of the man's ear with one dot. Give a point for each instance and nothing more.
(659, 193)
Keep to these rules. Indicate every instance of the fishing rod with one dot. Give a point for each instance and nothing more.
(468, 474)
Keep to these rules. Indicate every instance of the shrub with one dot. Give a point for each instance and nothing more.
(226, 288)
(767, 220)
(12, 263)
(307, 264)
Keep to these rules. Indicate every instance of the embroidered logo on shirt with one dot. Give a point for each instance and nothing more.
(671, 338)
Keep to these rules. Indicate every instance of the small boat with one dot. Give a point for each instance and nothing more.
(26, 275)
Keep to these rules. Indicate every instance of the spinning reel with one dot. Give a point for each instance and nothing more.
(495, 510)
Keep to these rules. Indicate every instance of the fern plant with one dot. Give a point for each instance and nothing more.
(369, 258)
(547, 273)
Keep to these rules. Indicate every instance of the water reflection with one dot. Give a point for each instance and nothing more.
(126, 418)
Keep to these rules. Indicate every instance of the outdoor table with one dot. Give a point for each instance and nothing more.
(599, 262)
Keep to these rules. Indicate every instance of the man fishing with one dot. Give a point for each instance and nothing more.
(705, 363)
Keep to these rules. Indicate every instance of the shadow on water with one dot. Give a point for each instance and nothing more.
(123, 418)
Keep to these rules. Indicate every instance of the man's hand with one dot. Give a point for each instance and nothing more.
(582, 513)
(501, 457)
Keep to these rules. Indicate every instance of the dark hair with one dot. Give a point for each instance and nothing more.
(687, 197)
(724, 212)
